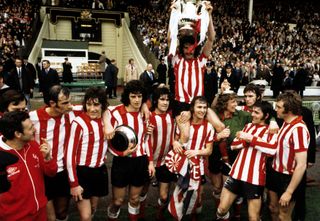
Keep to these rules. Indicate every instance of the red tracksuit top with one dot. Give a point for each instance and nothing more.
(27, 193)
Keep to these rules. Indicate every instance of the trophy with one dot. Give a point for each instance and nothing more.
(188, 18)
(123, 138)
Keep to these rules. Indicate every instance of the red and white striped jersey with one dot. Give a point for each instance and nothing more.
(161, 139)
(200, 135)
(250, 164)
(55, 129)
(189, 77)
(245, 108)
(86, 145)
(293, 137)
(120, 116)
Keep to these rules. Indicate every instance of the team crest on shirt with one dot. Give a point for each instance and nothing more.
(37, 165)
(12, 171)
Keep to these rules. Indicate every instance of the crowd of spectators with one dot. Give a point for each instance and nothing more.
(281, 32)
(15, 28)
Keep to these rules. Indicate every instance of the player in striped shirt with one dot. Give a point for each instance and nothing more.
(188, 67)
(85, 154)
(290, 161)
(132, 167)
(247, 175)
(52, 122)
(199, 146)
(251, 95)
(161, 142)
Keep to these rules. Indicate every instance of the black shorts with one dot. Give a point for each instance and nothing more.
(278, 183)
(178, 107)
(57, 186)
(215, 162)
(163, 175)
(94, 181)
(244, 189)
(129, 171)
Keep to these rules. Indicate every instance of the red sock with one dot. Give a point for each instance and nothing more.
(237, 210)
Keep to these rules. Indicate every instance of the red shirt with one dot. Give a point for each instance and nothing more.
(86, 145)
(293, 137)
(249, 165)
(161, 139)
(27, 193)
(189, 77)
(120, 116)
(55, 129)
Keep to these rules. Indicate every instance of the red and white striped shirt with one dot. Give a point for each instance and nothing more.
(245, 108)
(161, 139)
(55, 129)
(249, 165)
(199, 136)
(120, 116)
(189, 77)
(86, 145)
(293, 138)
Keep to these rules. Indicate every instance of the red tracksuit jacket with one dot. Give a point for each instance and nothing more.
(27, 193)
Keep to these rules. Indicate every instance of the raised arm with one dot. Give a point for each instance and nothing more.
(211, 33)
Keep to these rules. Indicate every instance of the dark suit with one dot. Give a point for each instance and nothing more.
(67, 72)
(110, 79)
(162, 73)
(31, 70)
(38, 68)
(47, 80)
(26, 78)
(232, 79)
(210, 85)
(148, 82)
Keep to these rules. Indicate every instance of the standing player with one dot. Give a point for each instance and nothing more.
(290, 161)
(222, 157)
(52, 122)
(86, 152)
(201, 137)
(161, 141)
(247, 175)
(251, 96)
(132, 167)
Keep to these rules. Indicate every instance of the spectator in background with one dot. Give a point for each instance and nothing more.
(232, 78)
(30, 68)
(39, 67)
(277, 79)
(21, 79)
(131, 72)
(3, 86)
(299, 80)
(148, 78)
(210, 82)
(287, 81)
(96, 4)
(103, 61)
(67, 71)
(110, 79)
(162, 72)
(47, 79)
